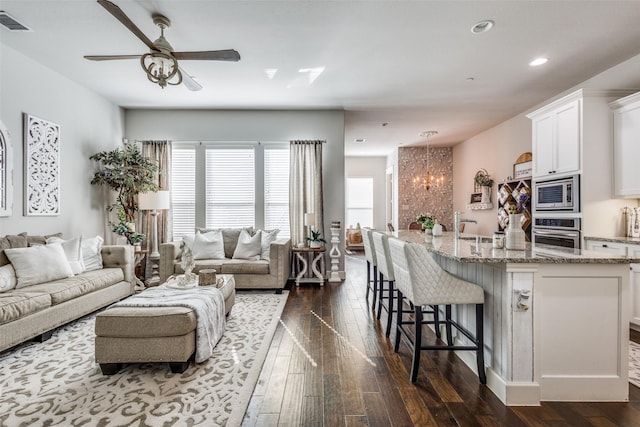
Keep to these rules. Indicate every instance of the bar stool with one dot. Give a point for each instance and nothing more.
(423, 282)
(370, 256)
(385, 270)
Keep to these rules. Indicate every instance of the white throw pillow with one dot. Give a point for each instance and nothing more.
(39, 264)
(248, 247)
(207, 246)
(92, 253)
(268, 237)
(8, 278)
(72, 250)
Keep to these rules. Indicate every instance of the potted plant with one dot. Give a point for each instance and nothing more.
(484, 180)
(427, 220)
(127, 172)
(315, 241)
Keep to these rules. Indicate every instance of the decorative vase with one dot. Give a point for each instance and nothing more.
(514, 235)
(486, 194)
(437, 229)
(315, 244)
(428, 231)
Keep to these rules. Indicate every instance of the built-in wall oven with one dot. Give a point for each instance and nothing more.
(560, 231)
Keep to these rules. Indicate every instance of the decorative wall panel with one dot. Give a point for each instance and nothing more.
(42, 166)
(6, 172)
(416, 199)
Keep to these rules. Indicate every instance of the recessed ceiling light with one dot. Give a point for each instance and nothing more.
(538, 61)
(270, 72)
(384, 124)
(482, 26)
(359, 140)
(469, 79)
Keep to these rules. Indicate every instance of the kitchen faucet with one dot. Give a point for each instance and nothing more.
(456, 223)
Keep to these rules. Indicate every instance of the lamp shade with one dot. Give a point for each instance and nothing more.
(309, 219)
(154, 201)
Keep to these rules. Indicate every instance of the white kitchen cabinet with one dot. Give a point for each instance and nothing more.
(629, 250)
(608, 247)
(626, 146)
(556, 131)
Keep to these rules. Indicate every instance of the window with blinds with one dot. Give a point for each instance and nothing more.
(230, 187)
(183, 190)
(276, 190)
(360, 201)
(215, 185)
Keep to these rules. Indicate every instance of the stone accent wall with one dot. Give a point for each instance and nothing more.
(415, 199)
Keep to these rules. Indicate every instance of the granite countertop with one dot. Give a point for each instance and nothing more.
(627, 240)
(465, 250)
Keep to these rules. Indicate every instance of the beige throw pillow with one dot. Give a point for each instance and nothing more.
(92, 253)
(248, 247)
(208, 245)
(72, 250)
(268, 237)
(8, 278)
(39, 264)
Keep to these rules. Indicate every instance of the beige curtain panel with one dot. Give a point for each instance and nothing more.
(305, 188)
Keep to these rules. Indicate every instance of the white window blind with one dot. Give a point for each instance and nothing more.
(360, 201)
(230, 187)
(183, 190)
(276, 190)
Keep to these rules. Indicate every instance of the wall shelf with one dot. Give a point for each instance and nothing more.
(479, 206)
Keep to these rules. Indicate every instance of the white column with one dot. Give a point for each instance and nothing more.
(334, 254)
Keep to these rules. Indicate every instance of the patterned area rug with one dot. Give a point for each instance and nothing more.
(634, 363)
(58, 382)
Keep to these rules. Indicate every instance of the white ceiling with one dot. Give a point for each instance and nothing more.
(405, 63)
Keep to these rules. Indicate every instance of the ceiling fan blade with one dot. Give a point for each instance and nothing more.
(210, 55)
(120, 16)
(110, 57)
(189, 82)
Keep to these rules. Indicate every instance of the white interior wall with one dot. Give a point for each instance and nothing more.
(371, 167)
(88, 124)
(256, 125)
(495, 150)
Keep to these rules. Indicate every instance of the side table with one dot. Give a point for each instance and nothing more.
(316, 257)
(138, 257)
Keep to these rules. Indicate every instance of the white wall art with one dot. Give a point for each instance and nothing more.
(6, 172)
(42, 167)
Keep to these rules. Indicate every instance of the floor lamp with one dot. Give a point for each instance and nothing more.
(154, 202)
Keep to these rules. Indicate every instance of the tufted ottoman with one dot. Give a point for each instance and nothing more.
(151, 334)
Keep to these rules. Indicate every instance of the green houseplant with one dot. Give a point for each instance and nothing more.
(483, 179)
(315, 240)
(427, 220)
(125, 171)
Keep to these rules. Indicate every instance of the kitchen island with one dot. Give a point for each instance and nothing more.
(556, 320)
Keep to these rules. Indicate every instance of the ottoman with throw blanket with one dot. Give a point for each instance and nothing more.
(163, 325)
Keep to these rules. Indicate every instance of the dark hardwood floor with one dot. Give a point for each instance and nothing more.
(331, 365)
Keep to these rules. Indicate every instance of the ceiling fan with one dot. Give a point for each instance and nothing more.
(161, 63)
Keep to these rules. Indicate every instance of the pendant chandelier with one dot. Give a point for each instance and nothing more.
(428, 180)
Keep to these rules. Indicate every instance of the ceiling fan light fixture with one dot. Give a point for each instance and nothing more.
(161, 68)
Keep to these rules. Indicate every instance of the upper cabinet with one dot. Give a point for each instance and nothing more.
(626, 146)
(556, 130)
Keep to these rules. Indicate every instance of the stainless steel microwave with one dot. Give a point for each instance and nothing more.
(557, 195)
